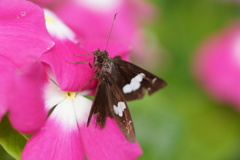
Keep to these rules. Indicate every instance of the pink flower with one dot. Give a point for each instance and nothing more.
(37, 78)
(65, 135)
(92, 18)
(23, 38)
(99, 14)
(84, 16)
(218, 65)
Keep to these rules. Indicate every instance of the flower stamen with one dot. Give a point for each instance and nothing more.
(71, 95)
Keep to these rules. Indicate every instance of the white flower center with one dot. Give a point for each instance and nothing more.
(71, 109)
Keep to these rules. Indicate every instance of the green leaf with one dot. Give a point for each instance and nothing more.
(4, 155)
(11, 140)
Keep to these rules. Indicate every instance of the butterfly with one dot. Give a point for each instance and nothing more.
(119, 81)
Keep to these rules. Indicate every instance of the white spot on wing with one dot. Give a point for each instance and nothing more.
(119, 108)
(127, 89)
(134, 84)
(139, 77)
(154, 80)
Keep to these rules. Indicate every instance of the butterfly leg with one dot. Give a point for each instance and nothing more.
(81, 63)
(86, 84)
(83, 54)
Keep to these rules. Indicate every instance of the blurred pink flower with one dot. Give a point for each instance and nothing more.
(218, 65)
(23, 38)
(92, 19)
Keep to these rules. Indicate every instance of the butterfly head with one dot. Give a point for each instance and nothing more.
(100, 57)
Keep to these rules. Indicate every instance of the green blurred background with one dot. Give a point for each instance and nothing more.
(181, 122)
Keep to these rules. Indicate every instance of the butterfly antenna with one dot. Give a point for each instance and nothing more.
(114, 18)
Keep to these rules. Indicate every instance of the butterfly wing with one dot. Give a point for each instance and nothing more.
(110, 102)
(121, 113)
(134, 81)
(101, 104)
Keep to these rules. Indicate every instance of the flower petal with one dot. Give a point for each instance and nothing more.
(26, 110)
(108, 143)
(59, 138)
(47, 3)
(3, 110)
(70, 110)
(57, 28)
(23, 33)
(83, 19)
(6, 83)
(70, 76)
(54, 142)
(52, 93)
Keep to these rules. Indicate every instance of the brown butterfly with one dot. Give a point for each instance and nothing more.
(118, 82)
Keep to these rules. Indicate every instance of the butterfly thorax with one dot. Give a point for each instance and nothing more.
(103, 63)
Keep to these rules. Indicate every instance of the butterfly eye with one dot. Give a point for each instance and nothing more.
(100, 59)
